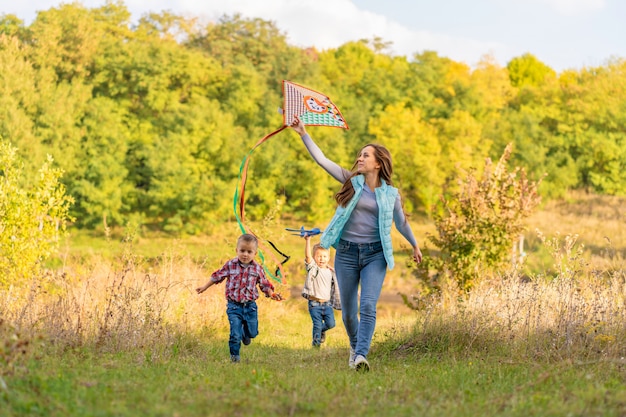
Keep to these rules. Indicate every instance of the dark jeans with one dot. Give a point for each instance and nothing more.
(323, 319)
(244, 321)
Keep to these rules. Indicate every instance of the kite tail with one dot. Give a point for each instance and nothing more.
(239, 208)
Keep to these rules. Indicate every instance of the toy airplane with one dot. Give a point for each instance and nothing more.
(302, 232)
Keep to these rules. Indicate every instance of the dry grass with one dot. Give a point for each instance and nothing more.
(110, 304)
(539, 320)
(598, 221)
(574, 309)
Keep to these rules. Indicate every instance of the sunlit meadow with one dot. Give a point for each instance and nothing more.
(121, 331)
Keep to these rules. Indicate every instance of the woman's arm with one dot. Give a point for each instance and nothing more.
(405, 230)
(336, 171)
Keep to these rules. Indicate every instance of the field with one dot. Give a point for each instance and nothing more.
(116, 329)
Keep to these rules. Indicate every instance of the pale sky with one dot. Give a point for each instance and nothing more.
(564, 34)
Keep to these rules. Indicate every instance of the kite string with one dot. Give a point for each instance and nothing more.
(239, 198)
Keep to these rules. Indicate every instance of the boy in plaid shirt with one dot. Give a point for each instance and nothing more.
(242, 275)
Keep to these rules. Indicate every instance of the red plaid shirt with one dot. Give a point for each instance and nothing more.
(242, 280)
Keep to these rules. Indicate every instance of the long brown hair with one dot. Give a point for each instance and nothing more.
(383, 157)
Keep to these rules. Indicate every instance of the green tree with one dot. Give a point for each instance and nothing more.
(442, 86)
(462, 143)
(417, 154)
(167, 129)
(527, 70)
(491, 83)
(193, 168)
(152, 120)
(255, 58)
(101, 186)
(592, 126)
(536, 147)
(18, 95)
(344, 70)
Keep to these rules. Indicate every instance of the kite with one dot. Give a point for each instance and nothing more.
(314, 109)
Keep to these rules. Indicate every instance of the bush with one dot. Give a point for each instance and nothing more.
(478, 226)
(32, 218)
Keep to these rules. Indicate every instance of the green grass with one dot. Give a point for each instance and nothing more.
(281, 375)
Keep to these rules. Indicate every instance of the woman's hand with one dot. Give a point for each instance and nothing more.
(417, 254)
(298, 126)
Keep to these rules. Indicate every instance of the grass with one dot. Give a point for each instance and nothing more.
(280, 375)
(117, 330)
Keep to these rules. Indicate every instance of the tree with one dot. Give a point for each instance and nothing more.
(527, 70)
(18, 95)
(417, 154)
(592, 126)
(101, 185)
(442, 86)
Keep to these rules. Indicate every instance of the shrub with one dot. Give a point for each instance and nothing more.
(478, 225)
(32, 218)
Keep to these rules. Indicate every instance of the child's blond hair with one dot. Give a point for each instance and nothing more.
(317, 247)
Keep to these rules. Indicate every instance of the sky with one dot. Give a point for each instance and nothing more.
(563, 34)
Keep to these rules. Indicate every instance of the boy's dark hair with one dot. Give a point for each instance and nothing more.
(247, 237)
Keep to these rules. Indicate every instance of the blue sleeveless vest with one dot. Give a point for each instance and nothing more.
(385, 198)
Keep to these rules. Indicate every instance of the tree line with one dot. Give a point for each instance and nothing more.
(150, 121)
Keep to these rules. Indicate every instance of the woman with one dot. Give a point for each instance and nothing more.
(360, 232)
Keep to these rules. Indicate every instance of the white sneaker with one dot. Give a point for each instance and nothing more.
(361, 364)
(351, 359)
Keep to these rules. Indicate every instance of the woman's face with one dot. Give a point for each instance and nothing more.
(366, 162)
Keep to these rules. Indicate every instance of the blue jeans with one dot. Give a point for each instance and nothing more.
(244, 321)
(362, 264)
(323, 319)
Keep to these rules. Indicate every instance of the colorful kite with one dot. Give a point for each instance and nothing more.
(313, 109)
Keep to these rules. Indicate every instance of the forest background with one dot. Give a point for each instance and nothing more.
(150, 122)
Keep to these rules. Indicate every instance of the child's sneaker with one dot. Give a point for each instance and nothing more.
(246, 340)
(323, 338)
(235, 358)
(351, 359)
(361, 364)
